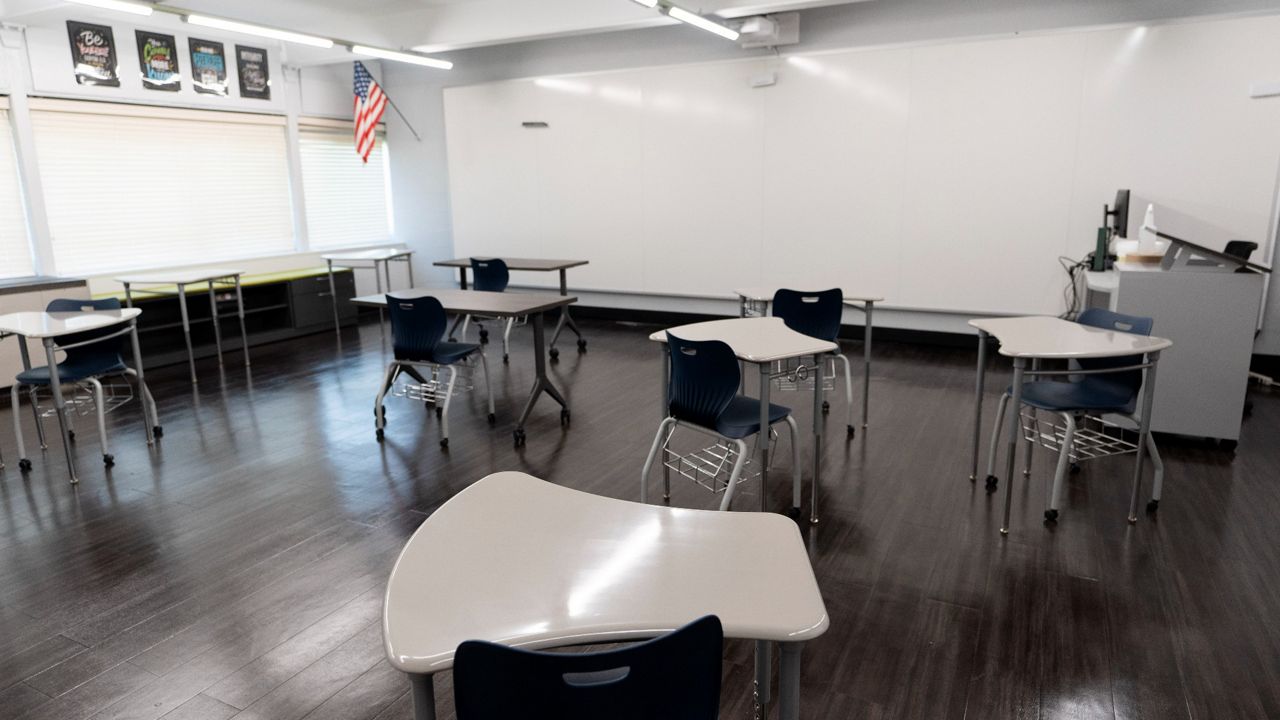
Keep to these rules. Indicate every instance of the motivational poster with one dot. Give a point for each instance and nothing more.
(158, 57)
(208, 66)
(93, 54)
(255, 78)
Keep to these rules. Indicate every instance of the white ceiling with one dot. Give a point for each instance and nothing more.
(430, 25)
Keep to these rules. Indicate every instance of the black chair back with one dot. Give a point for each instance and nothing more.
(417, 324)
(816, 314)
(704, 378)
(105, 352)
(491, 274)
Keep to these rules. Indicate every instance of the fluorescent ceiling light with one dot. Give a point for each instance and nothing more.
(367, 51)
(700, 22)
(121, 5)
(647, 3)
(260, 31)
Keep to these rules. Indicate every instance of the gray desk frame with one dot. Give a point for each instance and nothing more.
(212, 282)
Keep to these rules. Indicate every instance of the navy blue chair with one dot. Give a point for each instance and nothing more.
(490, 275)
(417, 328)
(672, 677)
(91, 357)
(1113, 391)
(818, 314)
(703, 396)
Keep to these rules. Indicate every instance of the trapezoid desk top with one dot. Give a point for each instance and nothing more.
(477, 302)
(523, 562)
(765, 294)
(1051, 337)
(179, 277)
(47, 325)
(530, 264)
(375, 255)
(755, 339)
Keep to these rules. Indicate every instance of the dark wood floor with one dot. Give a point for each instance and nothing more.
(238, 569)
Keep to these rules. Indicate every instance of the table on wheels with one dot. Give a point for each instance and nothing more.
(181, 279)
(48, 327)
(520, 561)
(500, 305)
(532, 265)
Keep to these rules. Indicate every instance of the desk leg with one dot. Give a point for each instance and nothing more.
(408, 265)
(763, 438)
(35, 408)
(149, 417)
(217, 331)
(386, 271)
(977, 403)
(128, 296)
(666, 406)
(1144, 430)
(186, 331)
(424, 696)
(817, 439)
(764, 675)
(866, 364)
(566, 319)
(377, 283)
(244, 335)
(789, 682)
(61, 405)
(1015, 418)
(333, 295)
(462, 278)
(541, 382)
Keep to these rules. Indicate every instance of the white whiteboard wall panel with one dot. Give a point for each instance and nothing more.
(1166, 112)
(701, 178)
(992, 143)
(835, 134)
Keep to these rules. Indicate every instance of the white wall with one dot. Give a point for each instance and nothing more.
(420, 169)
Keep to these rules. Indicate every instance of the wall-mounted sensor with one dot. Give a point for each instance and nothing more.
(763, 80)
(534, 124)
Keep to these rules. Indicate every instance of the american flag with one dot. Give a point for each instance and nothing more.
(369, 105)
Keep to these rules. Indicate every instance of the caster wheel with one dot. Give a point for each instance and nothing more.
(493, 419)
(444, 444)
(24, 465)
(378, 434)
(850, 430)
(1153, 505)
(826, 407)
(1051, 516)
(1075, 468)
(519, 437)
(564, 417)
(582, 345)
(554, 353)
(71, 435)
(158, 431)
(506, 360)
(992, 483)
(108, 460)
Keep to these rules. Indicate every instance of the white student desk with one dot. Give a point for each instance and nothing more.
(516, 560)
(377, 259)
(495, 304)
(48, 327)
(1051, 338)
(181, 279)
(755, 301)
(531, 265)
(761, 341)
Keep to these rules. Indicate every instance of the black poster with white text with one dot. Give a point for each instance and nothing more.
(158, 58)
(93, 54)
(255, 79)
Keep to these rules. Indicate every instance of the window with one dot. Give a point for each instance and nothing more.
(131, 187)
(15, 243)
(348, 202)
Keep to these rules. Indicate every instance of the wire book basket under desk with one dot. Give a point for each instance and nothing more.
(433, 390)
(1094, 437)
(712, 466)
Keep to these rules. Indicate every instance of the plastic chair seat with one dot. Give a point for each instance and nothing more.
(1090, 394)
(741, 417)
(448, 353)
(69, 372)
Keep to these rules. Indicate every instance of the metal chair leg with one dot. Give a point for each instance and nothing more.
(379, 414)
(506, 337)
(737, 470)
(444, 413)
(1030, 443)
(658, 439)
(146, 396)
(466, 321)
(15, 397)
(995, 440)
(795, 466)
(102, 420)
(35, 410)
(488, 387)
(1158, 466)
(848, 393)
(1060, 473)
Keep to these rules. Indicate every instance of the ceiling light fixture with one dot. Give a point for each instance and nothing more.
(702, 23)
(403, 57)
(121, 5)
(646, 3)
(259, 30)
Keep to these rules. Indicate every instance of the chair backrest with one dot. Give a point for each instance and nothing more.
(1242, 249)
(816, 314)
(110, 349)
(417, 324)
(1107, 320)
(491, 274)
(704, 378)
(673, 677)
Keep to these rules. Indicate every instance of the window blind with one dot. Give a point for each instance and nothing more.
(347, 201)
(131, 188)
(15, 243)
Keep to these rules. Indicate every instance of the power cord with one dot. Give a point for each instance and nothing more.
(1072, 294)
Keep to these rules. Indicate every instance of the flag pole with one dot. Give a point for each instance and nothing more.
(395, 107)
